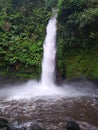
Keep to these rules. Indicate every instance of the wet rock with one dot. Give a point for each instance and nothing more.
(86, 126)
(96, 94)
(36, 127)
(72, 125)
(4, 124)
(14, 128)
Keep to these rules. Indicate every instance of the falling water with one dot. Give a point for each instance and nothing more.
(47, 86)
(49, 56)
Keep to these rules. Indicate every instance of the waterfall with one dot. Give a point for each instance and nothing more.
(47, 86)
(48, 76)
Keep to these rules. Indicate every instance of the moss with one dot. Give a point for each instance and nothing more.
(82, 65)
(19, 75)
(3, 73)
(26, 76)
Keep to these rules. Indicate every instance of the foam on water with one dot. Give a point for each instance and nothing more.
(34, 89)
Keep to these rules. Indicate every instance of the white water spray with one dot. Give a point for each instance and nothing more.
(49, 56)
(47, 86)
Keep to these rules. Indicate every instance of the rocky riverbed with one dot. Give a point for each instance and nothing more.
(78, 103)
(51, 113)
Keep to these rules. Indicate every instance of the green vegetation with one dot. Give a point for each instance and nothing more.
(78, 38)
(22, 32)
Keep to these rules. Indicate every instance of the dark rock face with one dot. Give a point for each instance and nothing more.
(86, 126)
(96, 94)
(72, 125)
(4, 124)
(36, 127)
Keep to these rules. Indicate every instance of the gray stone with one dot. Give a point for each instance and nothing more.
(4, 124)
(72, 125)
(36, 127)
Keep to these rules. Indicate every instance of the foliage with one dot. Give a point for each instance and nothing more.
(22, 31)
(49, 4)
(78, 37)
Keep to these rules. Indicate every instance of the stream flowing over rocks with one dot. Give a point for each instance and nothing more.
(51, 113)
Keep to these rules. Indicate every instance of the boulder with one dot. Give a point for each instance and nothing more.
(72, 125)
(86, 126)
(4, 124)
(96, 94)
(36, 127)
